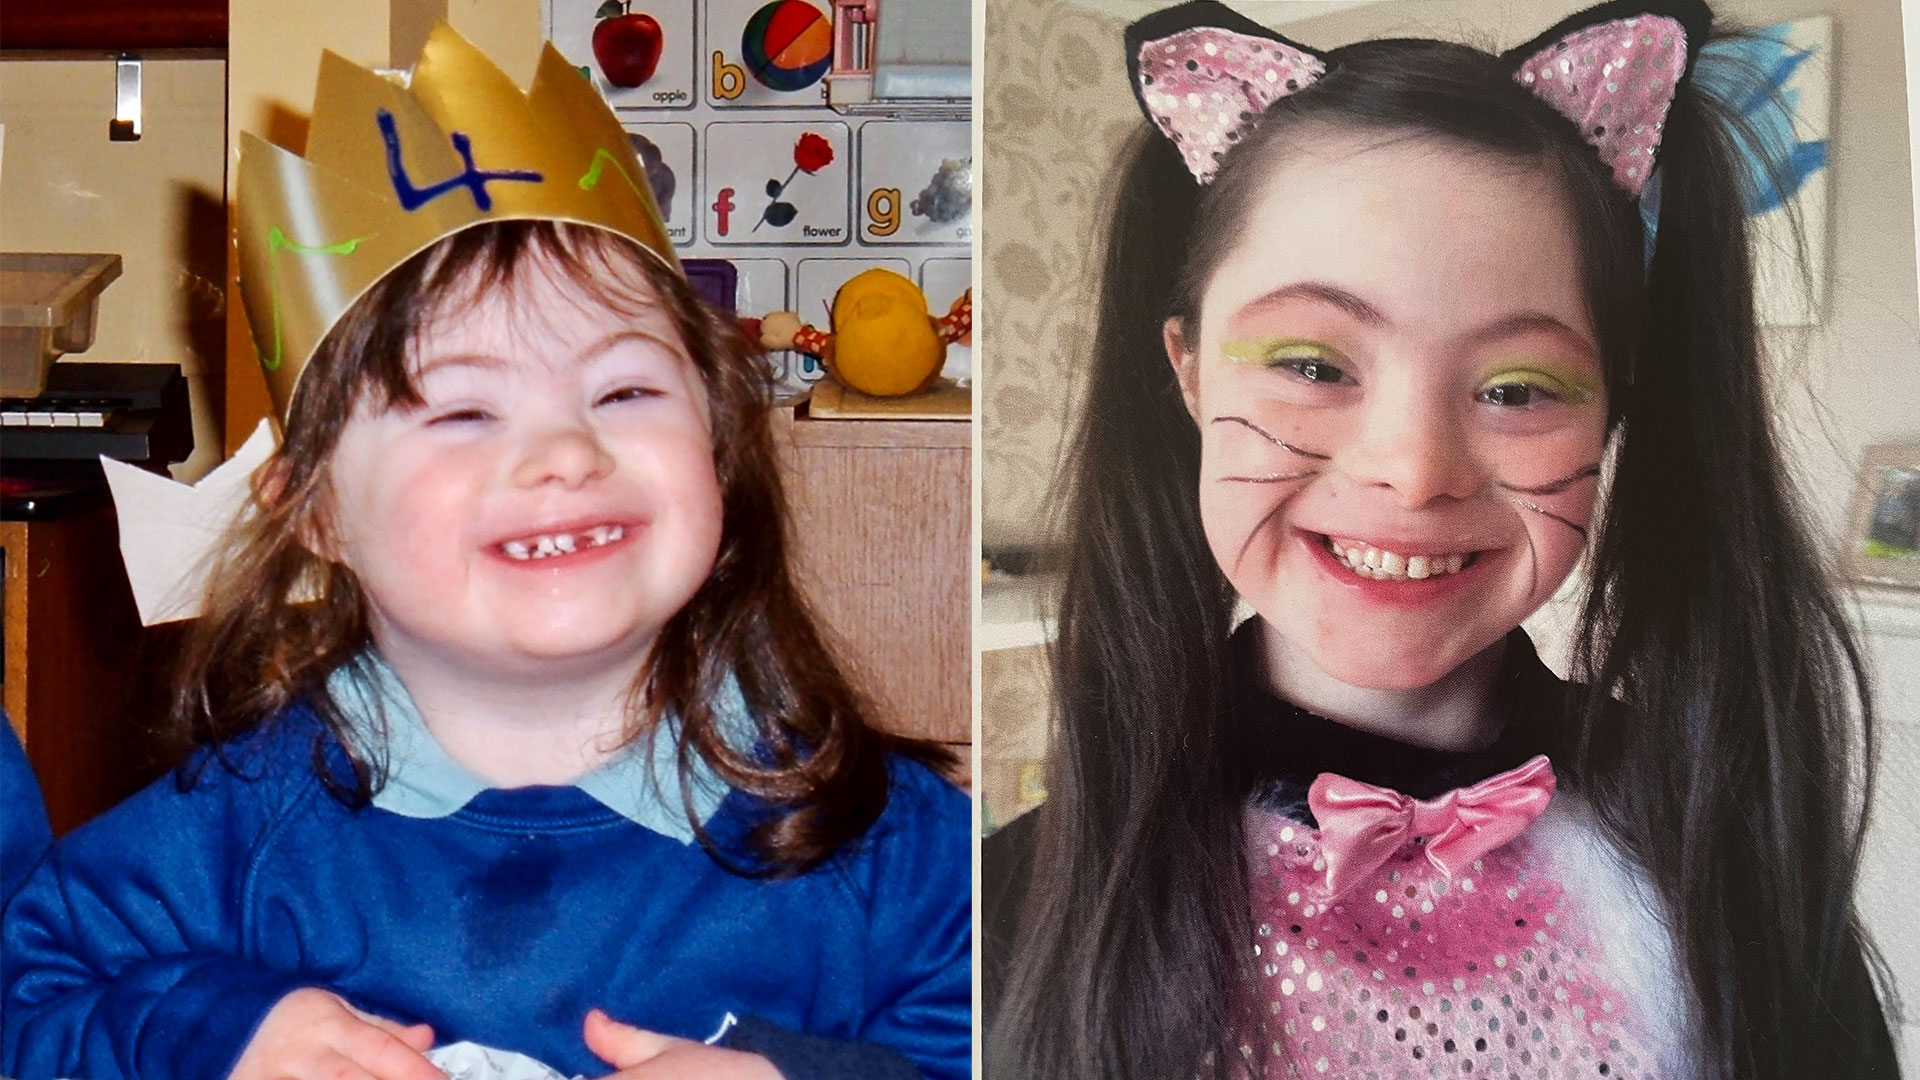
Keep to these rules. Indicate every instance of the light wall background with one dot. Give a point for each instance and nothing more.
(1056, 109)
(64, 186)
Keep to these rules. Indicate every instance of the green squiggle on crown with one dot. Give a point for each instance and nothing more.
(277, 242)
(601, 159)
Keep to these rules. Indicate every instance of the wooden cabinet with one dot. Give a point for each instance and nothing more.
(80, 685)
(882, 521)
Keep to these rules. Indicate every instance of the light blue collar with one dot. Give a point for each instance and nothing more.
(424, 781)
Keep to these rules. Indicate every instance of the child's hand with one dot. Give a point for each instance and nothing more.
(314, 1035)
(646, 1055)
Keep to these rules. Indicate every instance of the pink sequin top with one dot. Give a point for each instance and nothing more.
(1544, 960)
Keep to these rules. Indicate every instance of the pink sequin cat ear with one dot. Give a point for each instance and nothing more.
(1612, 70)
(1204, 73)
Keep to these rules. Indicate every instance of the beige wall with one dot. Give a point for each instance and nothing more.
(1055, 109)
(64, 186)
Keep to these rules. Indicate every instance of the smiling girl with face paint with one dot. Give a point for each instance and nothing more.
(1385, 352)
(1399, 420)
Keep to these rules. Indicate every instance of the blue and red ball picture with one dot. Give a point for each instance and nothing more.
(788, 45)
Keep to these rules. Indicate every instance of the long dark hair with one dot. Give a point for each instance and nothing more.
(259, 648)
(1721, 725)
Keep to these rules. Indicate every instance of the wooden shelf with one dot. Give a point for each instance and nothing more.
(1012, 612)
(881, 517)
(1893, 612)
(112, 26)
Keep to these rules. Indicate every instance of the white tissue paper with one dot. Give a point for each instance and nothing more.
(169, 530)
(471, 1061)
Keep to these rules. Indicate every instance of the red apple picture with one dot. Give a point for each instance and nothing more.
(626, 44)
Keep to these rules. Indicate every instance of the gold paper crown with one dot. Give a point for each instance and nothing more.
(391, 169)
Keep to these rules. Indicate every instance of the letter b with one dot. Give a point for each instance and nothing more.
(729, 80)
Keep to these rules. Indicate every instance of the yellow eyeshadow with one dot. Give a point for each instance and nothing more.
(1267, 350)
(1572, 388)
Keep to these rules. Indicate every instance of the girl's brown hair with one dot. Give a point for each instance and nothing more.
(279, 619)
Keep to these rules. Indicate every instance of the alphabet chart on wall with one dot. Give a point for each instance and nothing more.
(725, 101)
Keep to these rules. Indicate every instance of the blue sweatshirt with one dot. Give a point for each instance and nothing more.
(154, 940)
(23, 817)
(23, 830)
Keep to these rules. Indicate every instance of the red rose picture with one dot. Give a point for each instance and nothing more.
(811, 153)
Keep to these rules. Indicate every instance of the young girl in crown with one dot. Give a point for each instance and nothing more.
(1379, 328)
(511, 727)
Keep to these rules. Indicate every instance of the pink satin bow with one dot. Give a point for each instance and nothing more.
(1361, 825)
